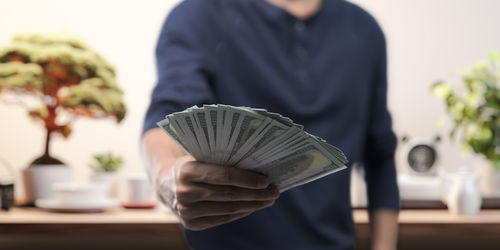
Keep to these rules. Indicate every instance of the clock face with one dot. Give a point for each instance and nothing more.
(422, 158)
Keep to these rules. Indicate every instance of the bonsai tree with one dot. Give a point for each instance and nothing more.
(474, 106)
(106, 163)
(66, 77)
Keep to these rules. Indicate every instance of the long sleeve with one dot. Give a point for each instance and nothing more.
(381, 142)
(183, 70)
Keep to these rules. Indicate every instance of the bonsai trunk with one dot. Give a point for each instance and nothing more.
(47, 144)
(50, 127)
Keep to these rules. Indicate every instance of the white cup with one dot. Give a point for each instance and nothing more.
(140, 191)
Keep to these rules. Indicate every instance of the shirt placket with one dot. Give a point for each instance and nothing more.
(301, 55)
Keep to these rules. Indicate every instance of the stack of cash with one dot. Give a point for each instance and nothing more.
(254, 139)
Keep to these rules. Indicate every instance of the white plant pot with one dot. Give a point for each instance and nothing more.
(108, 181)
(39, 179)
(490, 180)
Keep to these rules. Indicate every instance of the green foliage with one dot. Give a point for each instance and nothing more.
(474, 106)
(107, 162)
(64, 69)
(66, 75)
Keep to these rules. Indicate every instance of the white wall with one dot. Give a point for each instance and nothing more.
(428, 40)
(124, 32)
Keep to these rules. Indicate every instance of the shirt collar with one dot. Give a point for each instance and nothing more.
(278, 14)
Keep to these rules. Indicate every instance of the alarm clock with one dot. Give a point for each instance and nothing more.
(418, 170)
(420, 155)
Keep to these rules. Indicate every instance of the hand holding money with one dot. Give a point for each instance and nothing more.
(255, 140)
(205, 195)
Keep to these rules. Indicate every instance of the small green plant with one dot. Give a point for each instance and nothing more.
(107, 163)
(474, 106)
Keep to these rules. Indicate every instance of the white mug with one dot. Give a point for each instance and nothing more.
(139, 189)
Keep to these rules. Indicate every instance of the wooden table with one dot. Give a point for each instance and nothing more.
(438, 222)
(33, 221)
(417, 227)
(438, 229)
(32, 228)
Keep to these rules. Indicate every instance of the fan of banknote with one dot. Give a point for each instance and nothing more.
(254, 139)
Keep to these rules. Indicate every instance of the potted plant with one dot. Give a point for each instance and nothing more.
(67, 79)
(105, 168)
(474, 106)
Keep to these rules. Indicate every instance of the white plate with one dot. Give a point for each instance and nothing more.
(58, 206)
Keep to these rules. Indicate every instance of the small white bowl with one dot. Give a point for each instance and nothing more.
(78, 193)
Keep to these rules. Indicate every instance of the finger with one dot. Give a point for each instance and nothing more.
(223, 175)
(212, 221)
(207, 192)
(214, 208)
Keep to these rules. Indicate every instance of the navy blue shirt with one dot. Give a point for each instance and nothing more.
(327, 72)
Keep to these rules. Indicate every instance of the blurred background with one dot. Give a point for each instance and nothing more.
(427, 41)
(123, 32)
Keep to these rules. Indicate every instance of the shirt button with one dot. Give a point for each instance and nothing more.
(303, 77)
(301, 52)
(300, 26)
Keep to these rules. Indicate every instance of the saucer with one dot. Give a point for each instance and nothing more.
(139, 205)
(90, 207)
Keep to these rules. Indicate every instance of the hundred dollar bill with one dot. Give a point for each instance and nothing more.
(247, 124)
(211, 117)
(203, 133)
(166, 126)
(268, 128)
(184, 122)
(233, 121)
(273, 131)
(304, 165)
(257, 156)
